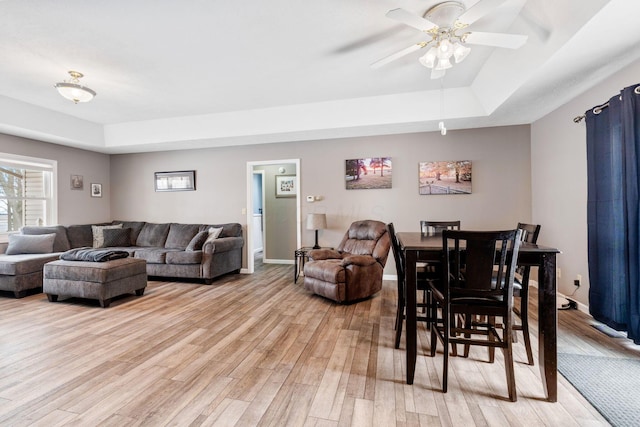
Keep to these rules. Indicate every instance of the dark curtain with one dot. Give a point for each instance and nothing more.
(613, 213)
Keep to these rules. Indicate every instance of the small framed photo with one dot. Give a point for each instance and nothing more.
(96, 190)
(286, 186)
(175, 181)
(77, 182)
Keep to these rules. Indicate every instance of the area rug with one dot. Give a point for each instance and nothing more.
(611, 385)
(609, 331)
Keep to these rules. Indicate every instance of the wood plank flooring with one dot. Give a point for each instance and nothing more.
(256, 350)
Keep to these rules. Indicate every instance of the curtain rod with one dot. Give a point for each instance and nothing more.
(598, 108)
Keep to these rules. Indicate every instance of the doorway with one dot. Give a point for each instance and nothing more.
(277, 228)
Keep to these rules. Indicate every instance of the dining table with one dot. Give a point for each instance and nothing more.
(419, 247)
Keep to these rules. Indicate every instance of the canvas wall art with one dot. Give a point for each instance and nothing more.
(370, 173)
(445, 177)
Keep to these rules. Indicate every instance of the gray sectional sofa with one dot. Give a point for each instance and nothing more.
(171, 250)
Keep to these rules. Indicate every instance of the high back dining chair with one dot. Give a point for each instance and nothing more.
(422, 285)
(530, 234)
(479, 268)
(437, 227)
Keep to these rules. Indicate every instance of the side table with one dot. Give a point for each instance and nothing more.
(301, 256)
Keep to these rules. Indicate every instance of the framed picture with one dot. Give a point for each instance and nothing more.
(96, 190)
(447, 177)
(370, 173)
(77, 182)
(175, 181)
(286, 186)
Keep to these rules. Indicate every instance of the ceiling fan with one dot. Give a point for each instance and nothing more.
(447, 23)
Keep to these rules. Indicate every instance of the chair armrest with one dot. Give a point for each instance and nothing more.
(318, 254)
(360, 260)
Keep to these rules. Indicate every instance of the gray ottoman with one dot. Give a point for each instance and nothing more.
(94, 280)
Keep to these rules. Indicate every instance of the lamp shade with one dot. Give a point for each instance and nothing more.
(316, 221)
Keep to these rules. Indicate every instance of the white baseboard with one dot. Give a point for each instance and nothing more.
(278, 261)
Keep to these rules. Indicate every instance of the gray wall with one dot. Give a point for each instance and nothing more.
(74, 206)
(501, 182)
(559, 177)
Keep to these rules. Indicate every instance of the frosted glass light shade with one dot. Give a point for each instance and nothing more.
(460, 52)
(429, 58)
(75, 92)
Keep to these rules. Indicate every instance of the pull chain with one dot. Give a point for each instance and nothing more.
(443, 129)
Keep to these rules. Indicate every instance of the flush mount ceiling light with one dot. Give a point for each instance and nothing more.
(445, 23)
(73, 90)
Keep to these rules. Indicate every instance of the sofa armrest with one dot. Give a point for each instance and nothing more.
(318, 254)
(222, 244)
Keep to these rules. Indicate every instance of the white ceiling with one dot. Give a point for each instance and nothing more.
(198, 73)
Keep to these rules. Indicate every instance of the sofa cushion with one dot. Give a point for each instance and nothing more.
(180, 235)
(16, 265)
(198, 240)
(98, 234)
(61, 243)
(154, 255)
(184, 257)
(30, 244)
(135, 226)
(116, 237)
(153, 235)
(80, 236)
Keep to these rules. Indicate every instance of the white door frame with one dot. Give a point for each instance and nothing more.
(249, 210)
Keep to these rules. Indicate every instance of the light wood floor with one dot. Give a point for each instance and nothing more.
(255, 350)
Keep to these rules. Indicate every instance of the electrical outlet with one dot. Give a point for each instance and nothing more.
(559, 271)
(577, 281)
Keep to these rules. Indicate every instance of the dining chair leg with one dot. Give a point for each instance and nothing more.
(445, 351)
(467, 326)
(399, 321)
(491, 321)
(434, 339)
(511, 378)
(524, 310)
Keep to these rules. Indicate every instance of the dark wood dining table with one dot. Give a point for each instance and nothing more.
(418, 247)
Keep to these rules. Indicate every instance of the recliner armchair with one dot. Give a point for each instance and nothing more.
(354, 270)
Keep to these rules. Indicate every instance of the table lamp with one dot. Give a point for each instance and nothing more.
(316, 222)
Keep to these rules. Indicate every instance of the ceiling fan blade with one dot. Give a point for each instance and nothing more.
(397, 55)
(478, 10)
(410, 19)
(509, 41)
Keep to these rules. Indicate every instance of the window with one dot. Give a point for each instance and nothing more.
(27, 193)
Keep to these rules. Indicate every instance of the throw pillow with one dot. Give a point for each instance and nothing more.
(61, 243)
(30, 244)
(198, 240)
(98, 236)
(213, 234)
(116, 237)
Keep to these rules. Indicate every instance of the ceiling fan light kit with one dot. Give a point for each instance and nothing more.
(442, 22)
(73, 90)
